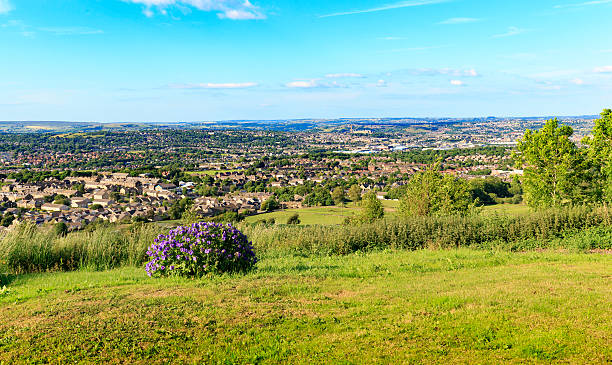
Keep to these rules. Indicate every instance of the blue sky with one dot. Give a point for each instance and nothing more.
(190, 60)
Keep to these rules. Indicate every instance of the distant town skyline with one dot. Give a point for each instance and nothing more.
(195, 60)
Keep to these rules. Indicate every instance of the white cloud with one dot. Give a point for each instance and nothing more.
(512, 31)
(459, 21)
(381, 83)
(5, 6)
(603, 69)
(457, 83)
(586, 3)
(343, 75)
(310, 84)
(397, 5)
(229, 85)
(577, 81)
(225, 9)
(447, 71)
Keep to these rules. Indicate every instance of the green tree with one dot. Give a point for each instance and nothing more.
(371, 208)
(338, 195)
(600, 157)
(551, 164)
(430, 192)
(270, 204)
(354, 193)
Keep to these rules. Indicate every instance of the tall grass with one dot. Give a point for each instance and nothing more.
(431, 232)
(32, 249)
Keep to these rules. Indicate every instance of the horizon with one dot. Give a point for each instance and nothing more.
(163, 61)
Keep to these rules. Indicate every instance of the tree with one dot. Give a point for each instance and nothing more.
(430, 192)
(600, 156)
(354, 193)
(270, 204)
(551, 163)
(371, 208)
(338, 195)
(294, 219)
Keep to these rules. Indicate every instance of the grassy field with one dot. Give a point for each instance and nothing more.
(448, 306)
(320, 215)
(335, 214)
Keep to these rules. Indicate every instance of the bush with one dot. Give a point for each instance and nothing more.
(294, 219)
(200, 249)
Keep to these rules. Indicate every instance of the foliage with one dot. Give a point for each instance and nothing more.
(354, 193)
(200, 249)
(61, 229)
(338, 195)
(600, 156)
(430, 192)
(28, 248)
(371, 208)
(294, 219)
(270, 204)
(551, 163)
(437, 231)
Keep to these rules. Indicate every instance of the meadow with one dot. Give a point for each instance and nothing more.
(425, 306)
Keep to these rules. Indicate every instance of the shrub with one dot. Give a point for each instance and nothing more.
(199, 249)
(294, 219)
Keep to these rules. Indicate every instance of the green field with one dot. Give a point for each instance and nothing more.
(455, 306)
(319, 215)
(336, 214)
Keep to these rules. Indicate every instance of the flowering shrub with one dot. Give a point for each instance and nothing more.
(200, 249)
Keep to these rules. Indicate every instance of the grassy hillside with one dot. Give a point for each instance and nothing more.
(460, 306)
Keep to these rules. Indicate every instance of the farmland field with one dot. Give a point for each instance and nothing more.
(448, 306)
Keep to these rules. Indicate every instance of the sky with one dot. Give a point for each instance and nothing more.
(204, 60)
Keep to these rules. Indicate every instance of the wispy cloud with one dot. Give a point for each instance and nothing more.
(225, 9)
(343, 76)
(457, 83)
(229, 85)
(315, 84)
(459, 21)
(309, 84)
(603, 69)
(446, 71)
(512, 31)
(5, 6)
(586, 3)
(70, 30)
(397, 5)
(30, 31)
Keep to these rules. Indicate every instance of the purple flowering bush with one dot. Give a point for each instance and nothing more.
(200, 249)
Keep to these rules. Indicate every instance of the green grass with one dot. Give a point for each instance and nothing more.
(506, 209)
(330, 215)
(449, 306)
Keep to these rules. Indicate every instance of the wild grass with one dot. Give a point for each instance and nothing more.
(536, 230)
(32, 249)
